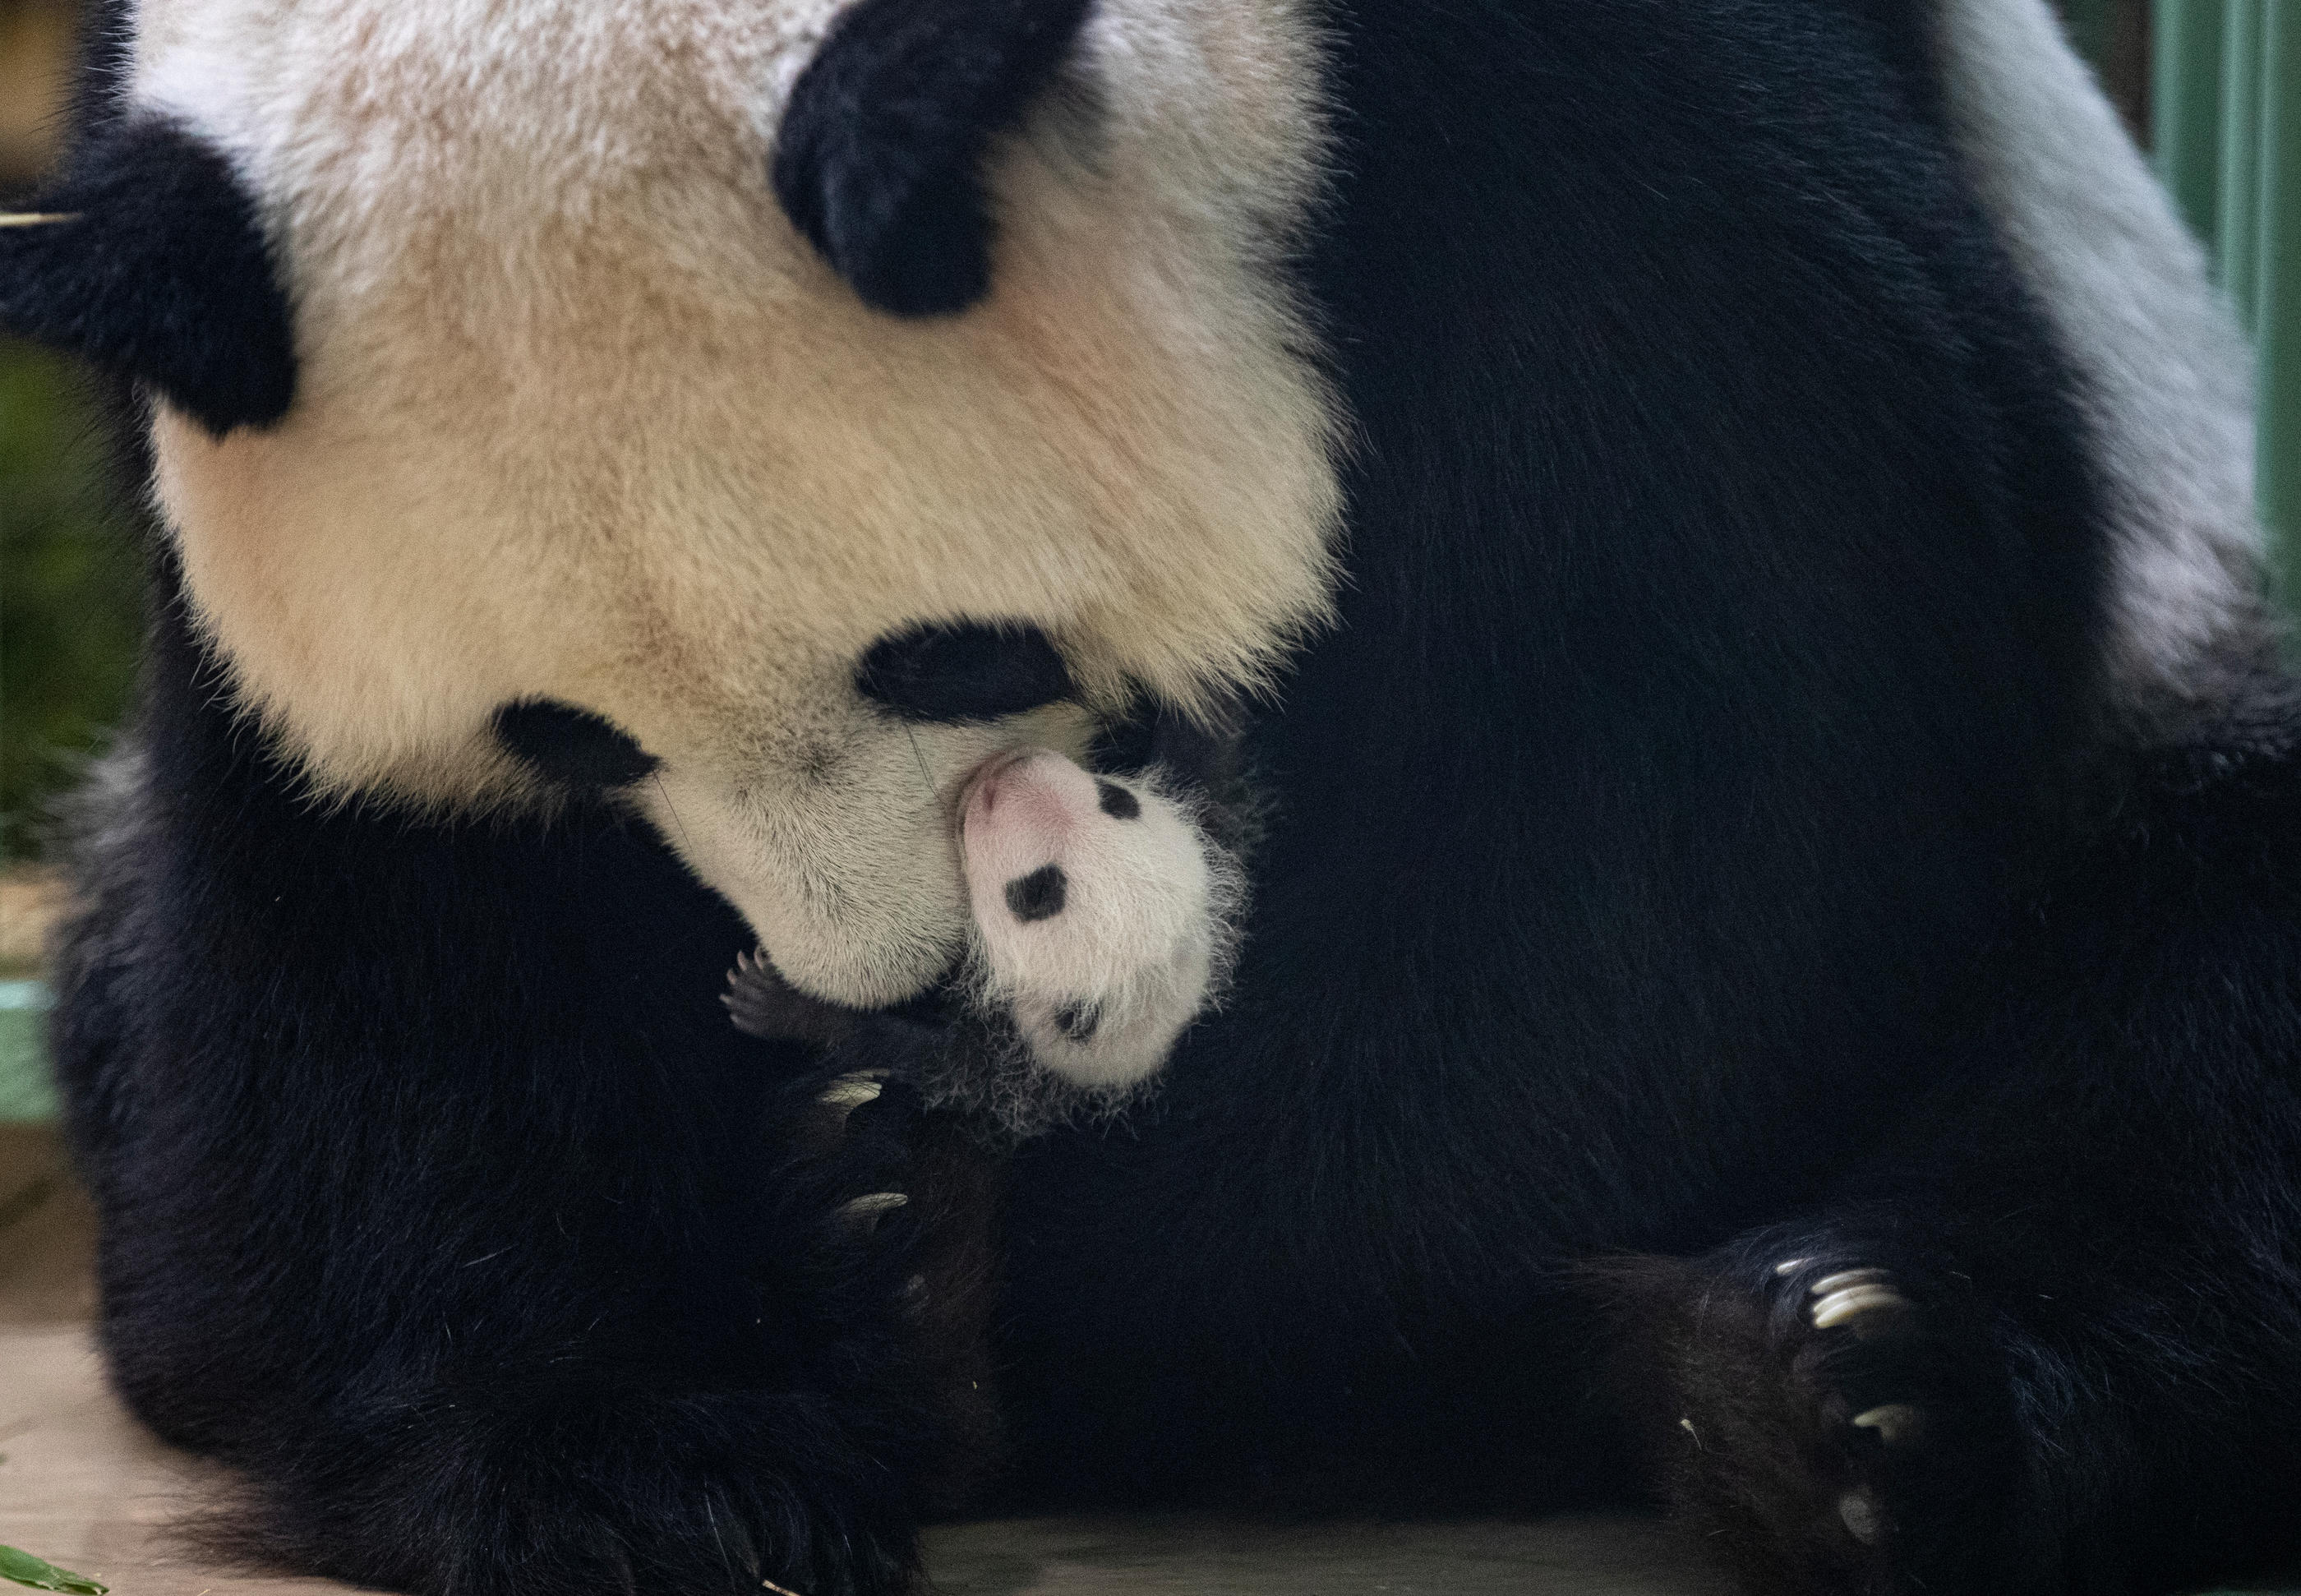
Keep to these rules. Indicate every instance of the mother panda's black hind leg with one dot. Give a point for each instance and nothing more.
(443, 1204)
(1825, 1423)
(2050, 1338)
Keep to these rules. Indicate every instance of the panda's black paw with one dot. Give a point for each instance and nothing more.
(879, 1115)
(761, 1003)
(851, 1104)
(514, 1485)
(1828, 1419)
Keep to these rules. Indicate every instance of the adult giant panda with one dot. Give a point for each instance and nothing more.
(1697, 552)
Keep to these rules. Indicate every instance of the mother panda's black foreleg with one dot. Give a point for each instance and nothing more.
(442, 1203)
(2050, 1338)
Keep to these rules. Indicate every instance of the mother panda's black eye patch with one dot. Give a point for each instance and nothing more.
(964, 671)
(571, 747)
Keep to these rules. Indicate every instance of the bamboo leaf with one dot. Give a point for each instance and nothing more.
(25, 1569)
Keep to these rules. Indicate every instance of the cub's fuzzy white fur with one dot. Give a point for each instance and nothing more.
(1099, 991)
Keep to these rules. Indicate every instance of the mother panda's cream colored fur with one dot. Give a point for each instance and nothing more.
(1618, 642)
(2163, 368)
(707, 477)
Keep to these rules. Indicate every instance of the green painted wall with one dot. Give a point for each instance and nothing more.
(2226, 120)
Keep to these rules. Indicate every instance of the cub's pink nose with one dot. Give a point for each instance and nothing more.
(1021, 809)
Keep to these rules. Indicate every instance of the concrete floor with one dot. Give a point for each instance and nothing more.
(82, 1486)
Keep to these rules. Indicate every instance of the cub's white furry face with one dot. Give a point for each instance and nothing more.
(1102, 914)
(581, 417)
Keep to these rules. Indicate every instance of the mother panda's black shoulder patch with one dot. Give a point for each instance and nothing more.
(878, 161)
(147, 261)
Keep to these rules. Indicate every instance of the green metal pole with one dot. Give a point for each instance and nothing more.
(2238, 245)
(2277, 291)
(2185, 107)
(2089, 25)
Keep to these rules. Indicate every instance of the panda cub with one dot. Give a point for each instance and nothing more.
(1103, 914)
(1100, 914)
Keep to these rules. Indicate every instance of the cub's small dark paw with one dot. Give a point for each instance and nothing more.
(1830, 1422)
(761, 1003)
(851, 1092)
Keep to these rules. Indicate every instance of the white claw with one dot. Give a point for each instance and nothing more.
(1859, 1509)
(1896, 1423)
(1841, 1308)
(1846, 1278)
(849, 1092)
(863, 1213)
(1791, 1265)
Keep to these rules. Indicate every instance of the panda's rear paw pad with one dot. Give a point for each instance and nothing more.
(1861, 1359)
(1839, 1425)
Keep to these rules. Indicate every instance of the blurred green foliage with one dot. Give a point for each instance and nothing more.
(69, 607)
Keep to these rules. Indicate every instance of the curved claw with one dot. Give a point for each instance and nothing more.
(849, 1092)
(1895, 1422)
(1848, 1305)
(863, 1214)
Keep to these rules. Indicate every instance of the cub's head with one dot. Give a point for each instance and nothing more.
(769, 409)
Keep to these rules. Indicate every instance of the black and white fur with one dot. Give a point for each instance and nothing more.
(1103, 915)
(1765, 973)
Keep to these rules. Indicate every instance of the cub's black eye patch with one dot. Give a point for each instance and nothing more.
(570, 746)
(968, 672)
(1204, 755)
(1040, 895)
(1117, 802)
